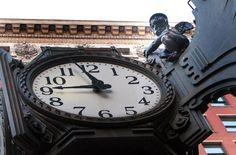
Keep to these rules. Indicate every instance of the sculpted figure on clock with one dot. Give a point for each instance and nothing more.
(174, 41)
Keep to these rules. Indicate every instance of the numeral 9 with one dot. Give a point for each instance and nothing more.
(46, 90)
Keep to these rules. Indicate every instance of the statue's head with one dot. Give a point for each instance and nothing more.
(158, 23)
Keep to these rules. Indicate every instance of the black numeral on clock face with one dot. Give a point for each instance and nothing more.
(133, 80)
(55, 101)
(90, 68)
(114, 72)
(130, 111)
(147, 90)
(105, 114)
(57, 80)
(46, 90)
(80, 109)
(144, 101)
(66, 72)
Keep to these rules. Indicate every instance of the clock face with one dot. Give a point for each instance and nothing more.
(96, 89)
(67, 87)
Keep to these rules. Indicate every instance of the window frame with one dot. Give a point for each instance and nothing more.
(229, 122)
(219, 103)
(209, 146)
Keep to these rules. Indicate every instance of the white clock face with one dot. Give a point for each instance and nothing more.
(68, 88)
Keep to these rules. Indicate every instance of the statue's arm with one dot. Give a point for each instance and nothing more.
(153, 46)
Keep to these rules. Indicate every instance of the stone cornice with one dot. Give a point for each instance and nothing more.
(74, 27)
(76, 22)
(74, 31)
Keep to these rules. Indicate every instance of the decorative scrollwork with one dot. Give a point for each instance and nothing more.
(181, 120)
(25, 51)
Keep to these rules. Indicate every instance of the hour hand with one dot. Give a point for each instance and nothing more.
(97, 84)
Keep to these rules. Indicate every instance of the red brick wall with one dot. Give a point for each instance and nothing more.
(220, 135)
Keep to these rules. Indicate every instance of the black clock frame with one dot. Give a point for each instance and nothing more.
(28, 74)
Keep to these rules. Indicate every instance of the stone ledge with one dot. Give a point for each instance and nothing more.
(17, 26)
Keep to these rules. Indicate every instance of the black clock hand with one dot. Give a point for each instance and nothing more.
(82, 86)
(105, 86)
(98, 84)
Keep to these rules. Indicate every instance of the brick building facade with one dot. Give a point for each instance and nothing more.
(221, 116)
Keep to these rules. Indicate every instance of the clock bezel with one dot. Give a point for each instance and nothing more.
(31, 71)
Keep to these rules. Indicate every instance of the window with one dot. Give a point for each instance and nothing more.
(219, 102)
(206, 120)
(229, 123)
(214, 149)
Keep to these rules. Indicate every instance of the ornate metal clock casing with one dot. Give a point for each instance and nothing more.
(45, 120)
(95, 88)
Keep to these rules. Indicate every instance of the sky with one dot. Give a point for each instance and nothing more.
(109, 10)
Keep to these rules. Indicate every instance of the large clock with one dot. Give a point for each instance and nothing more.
(96, 89)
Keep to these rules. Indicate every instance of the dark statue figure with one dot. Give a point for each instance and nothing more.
(173, 39)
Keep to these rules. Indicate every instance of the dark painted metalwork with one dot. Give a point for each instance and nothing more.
(205, 70)
(173, 39)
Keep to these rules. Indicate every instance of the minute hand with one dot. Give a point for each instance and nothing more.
(81, 86)
(98, 84)
(68, 87)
